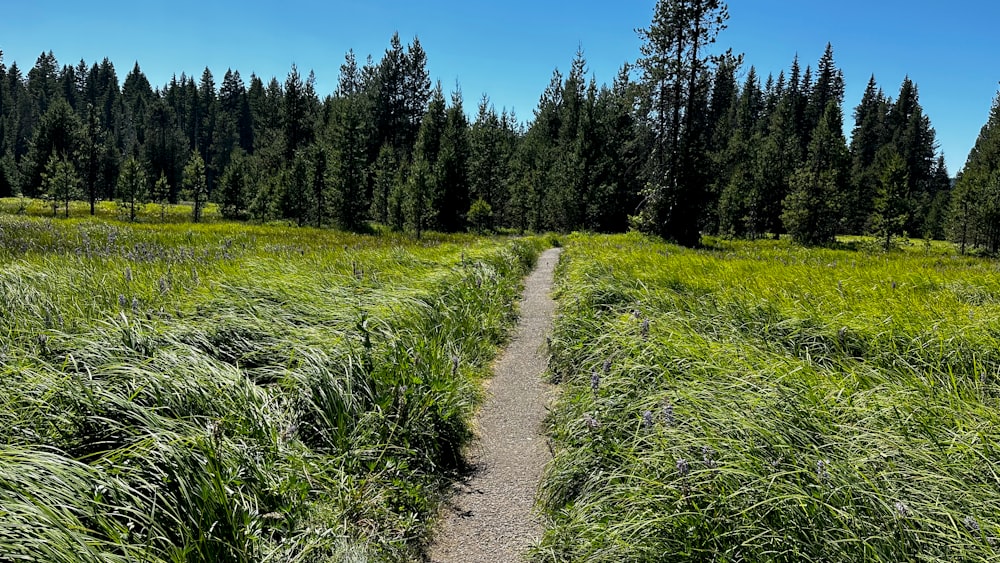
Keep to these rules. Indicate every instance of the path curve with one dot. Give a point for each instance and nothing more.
(490, 518)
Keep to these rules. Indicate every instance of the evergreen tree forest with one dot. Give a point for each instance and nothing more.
(685, 141)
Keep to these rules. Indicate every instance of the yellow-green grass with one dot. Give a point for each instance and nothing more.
(226, 392)
(764, 402)
(108, 210)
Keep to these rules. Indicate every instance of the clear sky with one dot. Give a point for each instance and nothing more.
(509, 49)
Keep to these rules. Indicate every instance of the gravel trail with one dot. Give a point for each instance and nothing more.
(490, 516)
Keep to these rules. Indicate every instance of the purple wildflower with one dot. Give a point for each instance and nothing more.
(708, 456)
(682, 467)
(595, 382)
(647, 419)
(822, 473)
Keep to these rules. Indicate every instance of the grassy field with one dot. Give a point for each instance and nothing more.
(234, 393)
(108, 210)
(761, 402)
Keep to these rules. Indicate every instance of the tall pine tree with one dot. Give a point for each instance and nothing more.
(675, 64)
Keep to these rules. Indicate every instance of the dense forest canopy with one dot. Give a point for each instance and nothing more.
(690, 139)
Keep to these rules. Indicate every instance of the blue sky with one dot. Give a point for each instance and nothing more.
(508, 50)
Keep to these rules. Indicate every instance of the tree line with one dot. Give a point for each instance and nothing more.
(683, 142)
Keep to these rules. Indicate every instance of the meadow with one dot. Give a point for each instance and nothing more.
(107, 210)
(228, 392)
(756, 401)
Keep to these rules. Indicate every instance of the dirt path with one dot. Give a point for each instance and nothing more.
(490, 518)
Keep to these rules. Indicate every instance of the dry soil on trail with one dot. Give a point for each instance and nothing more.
(490, 517)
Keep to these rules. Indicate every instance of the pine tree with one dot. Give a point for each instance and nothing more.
(396, 198)
(7, 183)
(625, 141)
(5, 104)
(217, 134)
(264, 104)
(137, 95)
(776, 158)
(480, 217)
(103, 92)
(393, 125)
(208, 109)
(813, 208)
(67, 86)
(566, 198)
(80, 74)
(20, 124)
(350, 81)
(93, 152)
(60, 182)
(599, 183)
(963, 216)
(416, 89)
(428, 148)
(869, 135)
(914, 139)
(890, 209)
(452, 170)
(829, 87)
(298, 113)
(234, 108)
(486, 158)
(319, 196)
(799, 89)
(166, 149)
(235, 186)
(432, 127)
(737, 136)
(160, 195)
(265, 202)
(386, 167)
(132, 188)
(539, 155)
(420, 203)
(940, 185)
(295, 186)
(417, 210)
(350, 170)
(58, 133)
(723, 101)
(510, 138)
(195, 186)
(43, 83)
(182, 97)
(8, 174)
(674, 65)
(974, 215)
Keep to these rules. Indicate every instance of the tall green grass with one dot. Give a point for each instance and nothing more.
(235, 393)
(762, 402)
